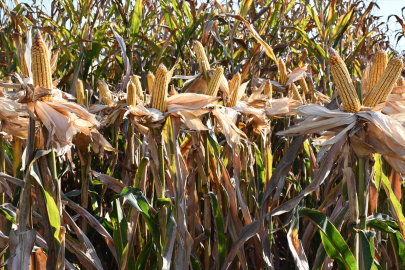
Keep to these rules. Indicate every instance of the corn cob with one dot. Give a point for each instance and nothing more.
(268, 89)
(296, 94)
(151, 80)
(159, 94)
(304, 86)
(131, 93)
(234, 85)
(215, 81)
(81, 98)
(105, 93)
(138, 87)
(379, 64)
(283, 71)
(24, 68)
(401, 81)
(344, 84)
(201, 56)
(385, 84)
(40, 66)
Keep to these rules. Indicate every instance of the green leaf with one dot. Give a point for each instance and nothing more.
(136, 199)
(143, 257)
(120, 226)
(136, 20)
(332, 236)
(396, 205)
(367, 248)
(219, 229)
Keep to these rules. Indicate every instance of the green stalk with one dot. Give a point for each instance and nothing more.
(362, 193)
(207, 207)
(162, 216)
(3, 170)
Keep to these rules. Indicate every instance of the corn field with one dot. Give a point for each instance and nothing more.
(164, 134)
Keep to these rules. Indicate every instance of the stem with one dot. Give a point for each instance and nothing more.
(362, 187)
(3, 170)
(207, 206)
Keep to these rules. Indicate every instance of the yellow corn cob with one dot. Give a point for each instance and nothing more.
(304, 86)
(283, 71)
(268, 89)
(344, 84)
(385, 84)
(379, 64)
(24, 68)
(151, 80)
(234, 85)
(105, 93)
(215, 81)
(131, 93)
(81, 98)
(138, 87)
(296, 94)
(201, 56)
(401, 81)
(40, 65)
(159, 94)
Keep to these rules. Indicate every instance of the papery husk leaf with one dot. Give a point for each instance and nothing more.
(188, 101)
(297, 74)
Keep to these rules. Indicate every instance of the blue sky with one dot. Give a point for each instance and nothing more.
(387, 7)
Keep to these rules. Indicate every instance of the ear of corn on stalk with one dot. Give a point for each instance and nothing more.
(296, 94)
(138, 87)
(215, 81)
(234, 85)
(283, 71)
(401, 81)
(81, 98)
(268, 89)
(201, 56)
(40, 66)
(304, 86)
(385, 84)
(159, 94)
(105, 93)
(131, 93)
(24, 67)
(151, 80)
(343, 82)
(379, 64)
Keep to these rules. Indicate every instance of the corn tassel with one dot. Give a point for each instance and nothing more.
(151, 81)
(159, 94)
(201, 56)
(40, 66)
(105, 93)
(138, 87)
(379, 64)
(268, 89)
(131, 93)
(401, 81)
(81, 98)
(296, 94)
(344, 84)
(215, 81)
(385, 84)
(283, 71)
(234, 85)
